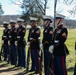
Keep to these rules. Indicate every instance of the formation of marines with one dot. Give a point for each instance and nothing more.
(52, 43)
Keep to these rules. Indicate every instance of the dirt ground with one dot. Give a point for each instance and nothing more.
(7, 69)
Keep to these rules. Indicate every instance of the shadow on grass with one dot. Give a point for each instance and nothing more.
(3, 65)
(7, 67)
(71, 69)
(25, 73)
(19, 74)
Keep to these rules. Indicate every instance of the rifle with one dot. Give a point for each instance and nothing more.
(41, 62)
(9, 57)
(49, 69)
(28, 58)
(50, 64)
(1, 52)
(75, 61)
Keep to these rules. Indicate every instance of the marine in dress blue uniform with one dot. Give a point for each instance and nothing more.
(34, 39)
(47, 40)
(21, 43)
(5, 40)
(60, 49)
(12, 40)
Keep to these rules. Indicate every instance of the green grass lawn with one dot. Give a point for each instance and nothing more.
(70, 44)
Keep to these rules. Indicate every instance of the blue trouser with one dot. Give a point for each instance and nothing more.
(13, 55)
(21, 57)
(46, 60)
(60, 65)
(35, 60)
(5, 52)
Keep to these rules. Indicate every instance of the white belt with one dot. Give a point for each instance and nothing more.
(56, 41)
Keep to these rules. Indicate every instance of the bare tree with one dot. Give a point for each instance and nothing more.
(1, 10)
(35, 8)
(71, 2)
(32, 6)
(1, 13)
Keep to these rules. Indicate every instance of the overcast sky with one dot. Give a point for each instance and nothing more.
(11, 9)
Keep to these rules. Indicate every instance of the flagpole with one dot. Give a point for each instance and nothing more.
(55, 5)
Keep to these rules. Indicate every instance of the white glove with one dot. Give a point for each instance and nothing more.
(16, 43)
(56, 41)
(28, 43)
(8, 42)
(51, 49)
(31, 38)
(4, 36)
(10, 36)
(18, 37)
(41, 46)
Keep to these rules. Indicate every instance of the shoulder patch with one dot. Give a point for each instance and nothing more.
(38, 31)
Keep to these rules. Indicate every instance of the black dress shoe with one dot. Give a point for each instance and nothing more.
(31, 70)
(17, 66)
(36, 72)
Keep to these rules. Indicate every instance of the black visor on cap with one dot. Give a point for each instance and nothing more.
(5, 24)
(33, 21)
(48, 19)
(19, 21)
(58, 17)
(12, 23)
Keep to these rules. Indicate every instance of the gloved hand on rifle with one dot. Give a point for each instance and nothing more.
(28, 44)
(51, 48)
(41, 46)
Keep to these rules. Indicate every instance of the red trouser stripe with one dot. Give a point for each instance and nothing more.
(63, 65)
(38, 61)
(53, 69)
